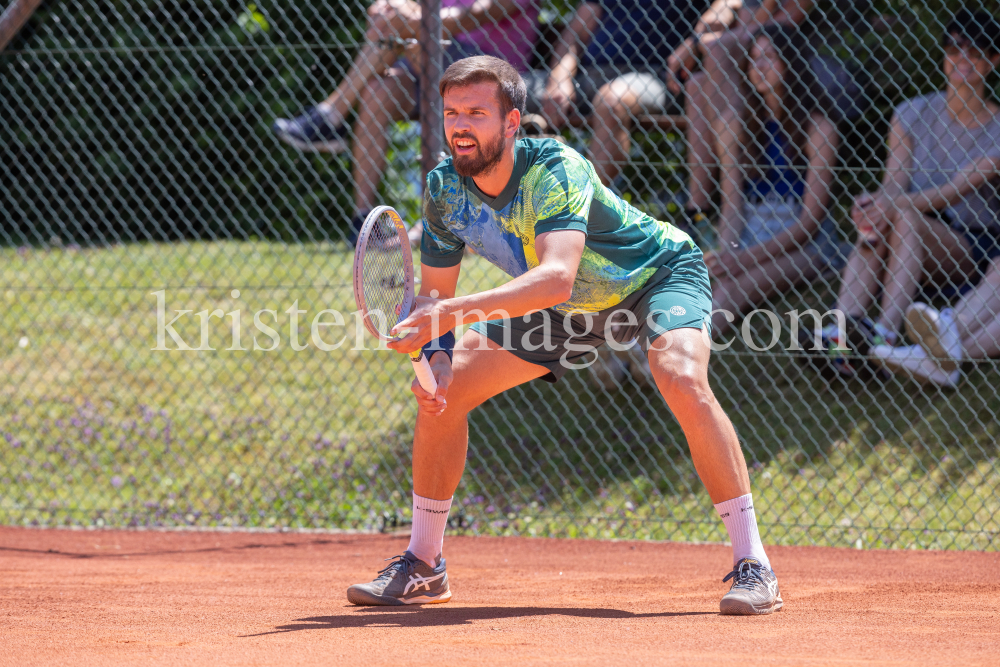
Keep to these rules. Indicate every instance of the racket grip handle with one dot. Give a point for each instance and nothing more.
(425, 376)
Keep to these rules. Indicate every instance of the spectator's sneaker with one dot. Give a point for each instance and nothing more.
(912, 360)
(937, 333)
(312, 132)
(754, 590)
(844, 352)
(407, 580)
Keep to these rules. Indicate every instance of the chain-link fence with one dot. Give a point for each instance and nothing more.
(187, 175)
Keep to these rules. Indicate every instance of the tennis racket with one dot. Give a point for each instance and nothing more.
(383, 282)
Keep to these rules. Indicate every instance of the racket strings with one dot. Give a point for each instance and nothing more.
(384, 274)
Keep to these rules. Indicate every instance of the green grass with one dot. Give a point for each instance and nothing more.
(98, 429)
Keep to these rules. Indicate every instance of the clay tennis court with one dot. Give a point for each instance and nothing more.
(170, 598)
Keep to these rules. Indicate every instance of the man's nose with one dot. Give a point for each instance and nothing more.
(461, 124)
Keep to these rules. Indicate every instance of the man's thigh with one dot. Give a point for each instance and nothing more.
(682, 300)
(482, 369)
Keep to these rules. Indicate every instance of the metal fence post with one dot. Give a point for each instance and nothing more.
(14, 18)
(431, 129)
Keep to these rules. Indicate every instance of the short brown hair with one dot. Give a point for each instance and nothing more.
(511, 90)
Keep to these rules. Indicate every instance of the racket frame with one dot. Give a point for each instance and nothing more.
(421, 366)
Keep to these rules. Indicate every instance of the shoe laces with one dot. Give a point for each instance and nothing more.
(399, 563)
(747, 575)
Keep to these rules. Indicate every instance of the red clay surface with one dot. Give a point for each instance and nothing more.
(178, 598)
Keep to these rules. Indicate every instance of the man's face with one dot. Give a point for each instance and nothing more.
(474, 127)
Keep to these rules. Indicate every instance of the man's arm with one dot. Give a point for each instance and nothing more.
(548, 284)
(967, 179)
(566, 61)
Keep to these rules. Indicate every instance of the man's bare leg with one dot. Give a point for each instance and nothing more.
(681, 374)
(370, 62)
(679, 361)
(862, 277)
(440, 442)
(920, 247)
(614, 106)
(385, 100)
(709, 95)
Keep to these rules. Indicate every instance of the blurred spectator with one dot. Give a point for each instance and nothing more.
(969, 331)
(608, 66)
(720, 42)
(388, 89)
(774, 229)
(935, 217)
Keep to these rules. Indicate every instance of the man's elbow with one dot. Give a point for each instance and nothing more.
(562, 286)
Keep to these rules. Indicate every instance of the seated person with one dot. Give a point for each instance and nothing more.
(970, 330)
(774, 229)
(935, 217)
(720, 43)
(388, 89)
(608, 66)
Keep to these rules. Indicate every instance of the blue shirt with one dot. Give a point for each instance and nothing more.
(641, 34)
(780, 180)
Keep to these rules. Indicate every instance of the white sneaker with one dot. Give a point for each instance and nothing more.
(937, 333)
(913, 361)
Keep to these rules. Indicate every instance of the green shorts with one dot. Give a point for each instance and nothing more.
(677, 296)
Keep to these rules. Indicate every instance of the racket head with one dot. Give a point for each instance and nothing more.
(383, 272)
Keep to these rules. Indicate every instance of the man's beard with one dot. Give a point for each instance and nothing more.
(482, 161)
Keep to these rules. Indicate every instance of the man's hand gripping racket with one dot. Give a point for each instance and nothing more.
(384, 282)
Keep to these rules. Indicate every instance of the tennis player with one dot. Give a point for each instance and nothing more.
(579, 257)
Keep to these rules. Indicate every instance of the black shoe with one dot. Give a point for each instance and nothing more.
(312, 132)
(754, 590)
(407, 580)
(845, 356)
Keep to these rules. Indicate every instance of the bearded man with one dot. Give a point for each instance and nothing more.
(580, 258)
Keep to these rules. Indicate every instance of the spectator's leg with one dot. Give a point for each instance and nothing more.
(384, 100)
(371, 61)
(741, 293)
(862, 278)
(920, 246)
(615, 106)
(709, 95)
(977, 317)
(985, 343)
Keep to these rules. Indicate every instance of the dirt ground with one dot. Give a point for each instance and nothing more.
(214, 599)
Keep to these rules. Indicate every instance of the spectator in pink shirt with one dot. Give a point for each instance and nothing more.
(386, 85)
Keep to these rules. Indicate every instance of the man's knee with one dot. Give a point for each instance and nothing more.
(680, 368)
(615, 99)
(685, 386)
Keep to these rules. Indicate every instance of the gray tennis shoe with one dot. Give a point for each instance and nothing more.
(406, 580)
(754, 590)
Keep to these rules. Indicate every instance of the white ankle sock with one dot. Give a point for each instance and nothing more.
(430, 517)
(741, 522)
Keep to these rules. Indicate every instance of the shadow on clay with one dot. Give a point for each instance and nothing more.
(438, 615)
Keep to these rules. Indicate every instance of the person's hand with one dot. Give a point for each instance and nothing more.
(723, 262)
(559, 95)
(870, 215)
(428, 315)
(435, 404)
(396, 18)
(680, 65)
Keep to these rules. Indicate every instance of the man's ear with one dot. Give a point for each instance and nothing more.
(513, 123)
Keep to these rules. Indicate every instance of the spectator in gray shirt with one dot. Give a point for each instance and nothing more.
(934, 220)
